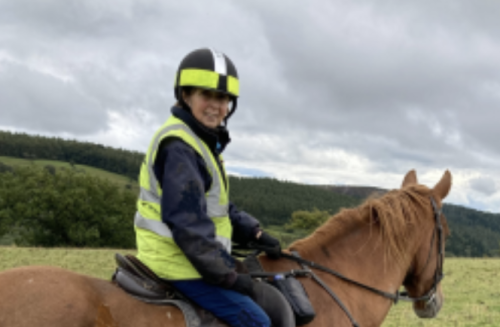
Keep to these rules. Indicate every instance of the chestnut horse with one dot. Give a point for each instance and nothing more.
(384, 243)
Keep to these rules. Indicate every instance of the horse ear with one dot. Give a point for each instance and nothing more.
(443, 187)
(410, 178)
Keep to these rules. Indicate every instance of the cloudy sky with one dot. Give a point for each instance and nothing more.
(332, 92)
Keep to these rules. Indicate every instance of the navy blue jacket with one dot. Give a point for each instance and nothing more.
(184, 180)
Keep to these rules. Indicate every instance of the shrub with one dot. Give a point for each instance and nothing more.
(65, 208)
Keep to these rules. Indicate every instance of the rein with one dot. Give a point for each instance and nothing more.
(395, 297)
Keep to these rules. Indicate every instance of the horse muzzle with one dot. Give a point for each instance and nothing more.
(431, 307)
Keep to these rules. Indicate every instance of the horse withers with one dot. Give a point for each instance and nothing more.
(384, 243)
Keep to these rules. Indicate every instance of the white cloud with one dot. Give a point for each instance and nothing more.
(331, 91)
(484, 185)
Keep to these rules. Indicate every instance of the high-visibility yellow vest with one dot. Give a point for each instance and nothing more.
(155, 243)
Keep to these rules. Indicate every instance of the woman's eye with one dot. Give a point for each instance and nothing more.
(222, 97)
(207, 94)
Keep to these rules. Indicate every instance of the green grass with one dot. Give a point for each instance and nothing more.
(119, 180)
(472, 296)
(471, 286)
(94, 262)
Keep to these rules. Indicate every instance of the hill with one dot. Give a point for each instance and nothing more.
(119, 180)
(270, 200)
(358, 192)
(34, 147)
(474, 233)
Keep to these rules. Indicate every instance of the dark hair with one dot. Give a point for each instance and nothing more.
(188, 90)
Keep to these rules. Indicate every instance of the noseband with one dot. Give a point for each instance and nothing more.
(438, 273)
(396, 297)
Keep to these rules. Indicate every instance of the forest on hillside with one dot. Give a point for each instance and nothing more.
(273, 202)
(32, 147)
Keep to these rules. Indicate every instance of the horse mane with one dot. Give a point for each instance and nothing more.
(396, 214)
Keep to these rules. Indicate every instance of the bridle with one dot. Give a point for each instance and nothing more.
(438, 273)
(307, 267)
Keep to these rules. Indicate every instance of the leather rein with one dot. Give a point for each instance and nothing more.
(395, 297)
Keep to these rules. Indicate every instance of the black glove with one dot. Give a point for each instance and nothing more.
(243, 284)
(268, 241)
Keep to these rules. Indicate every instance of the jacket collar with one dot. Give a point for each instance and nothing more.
(216, 139)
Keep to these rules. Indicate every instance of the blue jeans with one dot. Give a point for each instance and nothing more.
(234, 308)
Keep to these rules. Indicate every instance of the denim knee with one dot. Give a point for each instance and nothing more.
(234, 308)
(257, 318)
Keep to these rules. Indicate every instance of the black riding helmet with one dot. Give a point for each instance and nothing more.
(208, 69)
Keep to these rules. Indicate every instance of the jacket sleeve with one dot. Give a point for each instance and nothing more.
(245, 226)
(182, 175)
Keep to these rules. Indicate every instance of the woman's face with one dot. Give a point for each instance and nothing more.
(208, 107)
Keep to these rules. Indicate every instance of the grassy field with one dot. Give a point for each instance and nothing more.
(472, 296)
(471, 286)
(120, 180)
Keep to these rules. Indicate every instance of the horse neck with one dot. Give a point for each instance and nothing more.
(357, 253)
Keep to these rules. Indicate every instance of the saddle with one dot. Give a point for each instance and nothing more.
(139, 281)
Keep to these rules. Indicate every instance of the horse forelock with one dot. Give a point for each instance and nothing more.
(396, 214)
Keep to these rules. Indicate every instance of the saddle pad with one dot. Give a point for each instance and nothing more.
(267, 296)
(193, 315)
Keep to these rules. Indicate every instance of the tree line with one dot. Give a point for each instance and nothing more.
(34, 147)
(273, 202)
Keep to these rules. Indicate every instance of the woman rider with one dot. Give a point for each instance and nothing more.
(185, 222)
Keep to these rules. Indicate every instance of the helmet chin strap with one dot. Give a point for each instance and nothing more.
(180, 98)
(231, 112)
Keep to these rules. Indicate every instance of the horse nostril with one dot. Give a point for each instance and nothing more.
(430, 308)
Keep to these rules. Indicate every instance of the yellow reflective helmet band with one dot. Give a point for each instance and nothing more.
(199, 77)
(207, 79)
(233, 86)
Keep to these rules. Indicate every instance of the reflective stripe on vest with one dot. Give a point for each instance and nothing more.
(155, 243)
(159, 228)
(214, 209)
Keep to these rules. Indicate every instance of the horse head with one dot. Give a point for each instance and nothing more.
(423, 279)
(389, 240)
